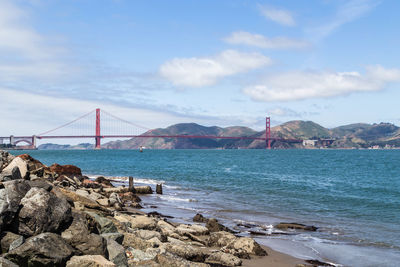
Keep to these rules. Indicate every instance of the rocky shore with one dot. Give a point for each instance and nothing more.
(55, 216)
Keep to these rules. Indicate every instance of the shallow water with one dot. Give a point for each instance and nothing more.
(352, 195)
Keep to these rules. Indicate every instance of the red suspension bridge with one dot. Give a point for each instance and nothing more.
(105, 125)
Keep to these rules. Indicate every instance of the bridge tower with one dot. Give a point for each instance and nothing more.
(268, 132)
(98, 137)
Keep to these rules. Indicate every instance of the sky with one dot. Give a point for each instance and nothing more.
(226, 62)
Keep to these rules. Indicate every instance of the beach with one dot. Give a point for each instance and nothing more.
(252, 192)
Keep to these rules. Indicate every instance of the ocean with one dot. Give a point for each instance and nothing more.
(353, 196)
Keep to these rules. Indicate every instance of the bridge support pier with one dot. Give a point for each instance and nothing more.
(33, 141)
(268, 133)
(12, 140)
(98, 137)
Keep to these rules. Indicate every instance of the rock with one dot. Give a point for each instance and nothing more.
(138, 222)
(41, 184)
(114, 199)
(132, 240)
(214, 226)
(7, 238)
(146, 189)
(10, 198)
(171, 260)
(297, 226)
(138, 255)
(247, 245)
(68, 170)
(319, 263)
(183, 229)
(35, 167)
(187, 252)
(199, 218)
(119, 189)
(89, 261)
(46, 249)
(103, 181)
(104, 202)
(73, 197)
(224, 259)
(129, 196)
(16, 169)
(82, 192)
(220, 239)
(104, 224)
(80, 235)
(17, 242)
(165, 228)
(147, 234)
(95, 196)
(116, 253)
(6, 263)
(117, 237)
(91, 184)
(43, 212)
(5, 159)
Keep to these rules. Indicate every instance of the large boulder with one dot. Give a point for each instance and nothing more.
(187, 252)
(220, 239)
(171, 260)
(10, 198)
(116, 253)
(219, 258)
(104, 225)
(16, 169)
(46, 249)
(138, 222)
(247, 245)
(68, 170)
(132, 240)
(89, 261)
(34, 166)
(43, 211)
(80, 235)
(7, 238)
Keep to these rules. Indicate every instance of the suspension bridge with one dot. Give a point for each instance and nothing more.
(99, 124)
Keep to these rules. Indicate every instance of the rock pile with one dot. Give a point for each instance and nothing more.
(55, 216)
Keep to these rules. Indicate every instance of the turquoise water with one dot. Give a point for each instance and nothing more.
(352, 195)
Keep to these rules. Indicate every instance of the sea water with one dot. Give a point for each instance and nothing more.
(353, 196)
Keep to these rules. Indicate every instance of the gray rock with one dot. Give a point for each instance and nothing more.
(117, 237)
(46, 249)
(220, 239)
(145, 189)
(6, 263)
(17, 242)
(10, 198)
(7, 238)
(104, 224)
(5, 159)
(43, 212)
(214, 226)
(80, 235)
(116, 253)
(139, 255)
(247, 245)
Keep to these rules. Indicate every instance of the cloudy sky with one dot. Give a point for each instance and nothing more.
(226, 62)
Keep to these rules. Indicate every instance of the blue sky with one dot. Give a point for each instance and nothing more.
(211, 62)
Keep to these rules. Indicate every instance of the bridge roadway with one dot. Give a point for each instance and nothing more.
(157, 136)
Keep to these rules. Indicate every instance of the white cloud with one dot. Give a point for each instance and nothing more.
(346, 13)
(280, 16)
(258, 40)
(321, 84)
(25, 53)
(198, 72)
(283, 112)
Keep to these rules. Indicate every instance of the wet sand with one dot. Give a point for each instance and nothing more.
(274, 259)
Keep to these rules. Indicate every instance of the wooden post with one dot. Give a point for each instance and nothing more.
(131, 188)
(159, 189)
